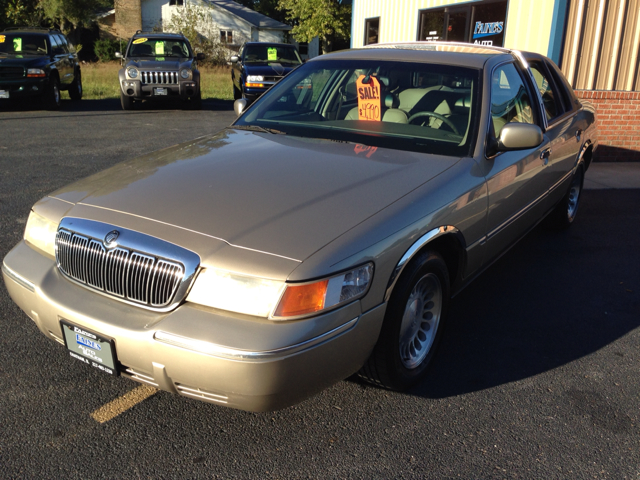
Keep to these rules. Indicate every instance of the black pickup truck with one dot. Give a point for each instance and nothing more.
(38, 62)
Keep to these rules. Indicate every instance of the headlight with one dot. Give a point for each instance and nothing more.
(35, 72)
(132, 72)
(275, 299)
(324, 294)
(237, 293)
(41, 233)
(185, 73)
(255, 78)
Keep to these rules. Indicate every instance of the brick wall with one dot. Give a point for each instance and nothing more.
(128, 17)
(618, 124)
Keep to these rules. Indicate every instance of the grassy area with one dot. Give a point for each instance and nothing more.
(100, 81)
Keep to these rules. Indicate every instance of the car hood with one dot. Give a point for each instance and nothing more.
(159, 65)
(265, 68)
(282, 195)
(22, 60)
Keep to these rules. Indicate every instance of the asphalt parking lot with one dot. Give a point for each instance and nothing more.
(537, 375)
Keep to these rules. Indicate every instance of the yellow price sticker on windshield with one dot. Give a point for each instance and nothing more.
(272, 54)
(17, 44)
(159, 48)
(2, 38)
(139, 40)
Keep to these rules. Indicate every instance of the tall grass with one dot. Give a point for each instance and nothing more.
(100, 81)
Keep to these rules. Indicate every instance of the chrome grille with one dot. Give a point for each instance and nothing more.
(120, 272)
(159, 78)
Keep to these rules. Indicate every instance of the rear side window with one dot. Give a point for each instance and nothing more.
(510, 100)
(552, 97)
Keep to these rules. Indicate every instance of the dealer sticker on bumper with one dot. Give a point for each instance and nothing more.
(90, 347)
(160, 91)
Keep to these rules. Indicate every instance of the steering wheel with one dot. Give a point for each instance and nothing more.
(444, 119)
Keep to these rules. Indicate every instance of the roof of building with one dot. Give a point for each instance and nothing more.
(250, 16)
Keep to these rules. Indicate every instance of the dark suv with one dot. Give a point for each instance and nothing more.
(159, 66)
(38, 62)
(258, 66)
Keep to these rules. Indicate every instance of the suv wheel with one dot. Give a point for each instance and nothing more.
(75, 90)
(52, 94)
(126, 101)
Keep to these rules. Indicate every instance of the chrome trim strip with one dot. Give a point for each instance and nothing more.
(236, 354)
(413, 249)
(20, 280)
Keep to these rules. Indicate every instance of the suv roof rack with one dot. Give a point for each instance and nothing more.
(139, 32)
(43, 29)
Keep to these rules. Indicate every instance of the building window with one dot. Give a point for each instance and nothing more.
(371, 30)
(482, 23)
(226, 37)
(303, 48)
(178, 3)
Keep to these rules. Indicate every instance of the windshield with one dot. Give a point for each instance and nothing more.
(159, 48)
(408, 106)
(23, 44)
(271, 54)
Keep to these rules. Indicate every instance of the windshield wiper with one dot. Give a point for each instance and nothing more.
(258, 128)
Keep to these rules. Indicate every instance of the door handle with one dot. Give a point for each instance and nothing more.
(578, 134)
(544, 155)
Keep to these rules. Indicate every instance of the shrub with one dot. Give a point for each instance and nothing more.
(106, 49)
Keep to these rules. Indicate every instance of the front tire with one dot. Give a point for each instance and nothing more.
(75, 90)
(413, 325)
(52, 94)
(126, 101)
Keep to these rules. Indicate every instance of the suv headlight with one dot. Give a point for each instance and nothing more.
(41, 233)
(255, 78)
(36, 73)
(132, 72)
(185, 73)
(278, 300)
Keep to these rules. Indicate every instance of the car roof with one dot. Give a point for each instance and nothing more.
(276, 44)
(159, 35)
(36, 31)
(458, 54)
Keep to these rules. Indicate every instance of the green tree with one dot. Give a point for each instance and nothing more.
(72, 14)
(327, 19)
(14, 13)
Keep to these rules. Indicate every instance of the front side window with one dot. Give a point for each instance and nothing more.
(510, 100)
(371, 31)
(23, 44)
(409, 106)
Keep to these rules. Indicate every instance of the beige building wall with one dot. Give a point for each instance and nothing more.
(528, 23)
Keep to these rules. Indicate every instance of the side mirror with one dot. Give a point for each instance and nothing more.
(240, 106)
(118, 55)
(234, 58)
(200, 56)
(519, 136)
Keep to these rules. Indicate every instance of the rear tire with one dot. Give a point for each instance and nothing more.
(126, 101)
(565, 212)
(52, 94)
(412, 326)
(75, 90)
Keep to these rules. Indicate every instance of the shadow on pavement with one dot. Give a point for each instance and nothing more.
(554, 298)
(110, 104)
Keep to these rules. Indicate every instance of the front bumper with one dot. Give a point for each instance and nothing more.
(198, 352)
(24, 87)
(184, 90)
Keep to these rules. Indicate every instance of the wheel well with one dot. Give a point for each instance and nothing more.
(54, 74)
(452, 252)
(587, 157)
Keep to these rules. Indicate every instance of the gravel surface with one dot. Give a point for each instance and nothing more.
(537, 375)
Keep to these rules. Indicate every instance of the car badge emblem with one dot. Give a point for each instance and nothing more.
(110, 239)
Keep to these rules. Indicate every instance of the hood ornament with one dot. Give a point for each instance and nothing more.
(110, 240)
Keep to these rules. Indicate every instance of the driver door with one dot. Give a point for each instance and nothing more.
(515, 179)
